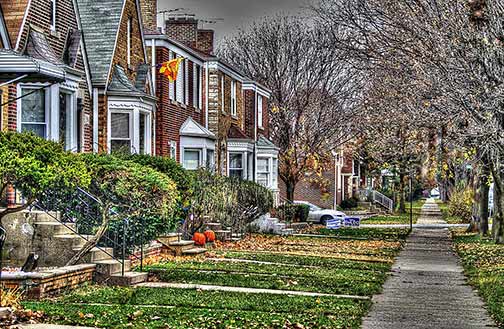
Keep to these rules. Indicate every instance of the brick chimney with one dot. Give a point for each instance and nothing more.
(185, 29)
(148, 9)
(205, 41)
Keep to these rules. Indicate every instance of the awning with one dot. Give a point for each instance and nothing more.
(13, 65)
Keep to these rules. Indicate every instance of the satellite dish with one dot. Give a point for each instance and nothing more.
(27, 229)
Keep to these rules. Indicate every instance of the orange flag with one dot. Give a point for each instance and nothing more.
(170, 69)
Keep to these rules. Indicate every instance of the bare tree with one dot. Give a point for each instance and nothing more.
(314, 90)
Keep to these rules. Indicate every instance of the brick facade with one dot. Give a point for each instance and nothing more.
(149, 14)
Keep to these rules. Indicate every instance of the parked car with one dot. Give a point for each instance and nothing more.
(319, 215)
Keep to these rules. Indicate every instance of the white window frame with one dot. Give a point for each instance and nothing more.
(223, 94)
(129, 33)
(71, 119)
(270, 170)
(244, 164)
(180, 89)
(130, 114)
(171, 88)
(47, 106)
(186, 82)
(192, 149)
(147, 132)
(134, 114)
(260, 111)
(233, 98)
(53, 13)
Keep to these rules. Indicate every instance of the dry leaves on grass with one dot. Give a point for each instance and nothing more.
(312, 246)
(483, 256)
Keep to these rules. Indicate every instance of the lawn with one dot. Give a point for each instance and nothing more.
(398, 218)
(355, 265)
(483, 262)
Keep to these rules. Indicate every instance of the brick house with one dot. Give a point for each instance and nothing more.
(213, 115)
(44, 85)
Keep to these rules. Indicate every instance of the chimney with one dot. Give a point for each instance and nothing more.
(205, 42)
(183, 29)
(148, 9)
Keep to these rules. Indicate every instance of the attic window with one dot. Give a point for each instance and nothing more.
(52, 16)
(129, 41)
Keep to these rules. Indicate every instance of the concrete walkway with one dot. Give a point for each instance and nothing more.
(427, 288)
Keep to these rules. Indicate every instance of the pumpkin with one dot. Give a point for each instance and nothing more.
(199, 239)
(210, 236)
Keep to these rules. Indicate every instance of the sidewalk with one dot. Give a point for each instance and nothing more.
(427, 288)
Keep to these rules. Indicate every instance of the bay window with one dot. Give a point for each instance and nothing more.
(120, 132)
(34, 111)
(236, 165)
(263, 171)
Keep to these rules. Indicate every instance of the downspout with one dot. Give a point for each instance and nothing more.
(335, 182)
(153, 79)
(95, 120)
(207, 79)
(254, 166)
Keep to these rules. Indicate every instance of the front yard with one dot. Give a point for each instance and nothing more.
(354, 265)
(398, 218)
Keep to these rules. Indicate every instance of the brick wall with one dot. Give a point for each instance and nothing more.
(307, 190)
(170, 114)
(249, 101)
(265, 114)
(149, 14)
(13, 12)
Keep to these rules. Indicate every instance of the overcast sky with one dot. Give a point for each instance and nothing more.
(235, 13)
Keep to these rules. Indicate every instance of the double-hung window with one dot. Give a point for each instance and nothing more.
(52, 15)
(236, 165)
(34, 111)
(143, 133)
(210, 160)
(120, 132)
(180, 83)
(233, 98)
(259, 111)
(263, 171)
(192, 159)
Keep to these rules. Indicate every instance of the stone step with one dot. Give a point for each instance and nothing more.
(57, 227)
(179, 247)
(280, 226)
(41, 216)
(194, 251)
(129, 278)
(170, 237)
(274, 220)
(97, 254)
(287, 231)
(213, 226)
(111, 266)
(223, 235)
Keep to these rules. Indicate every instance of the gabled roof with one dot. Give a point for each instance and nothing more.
(194, 129)
(14, 13)
(120, 84)
(4, 33)
(235, 133)
(38, 47)
(264, 143)
(100, 22)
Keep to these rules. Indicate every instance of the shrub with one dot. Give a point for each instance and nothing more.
(293, 212)
(302, 212)
(460, 204)
(349, 203)
(33, 165)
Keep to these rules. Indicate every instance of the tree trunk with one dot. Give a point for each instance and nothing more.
(484, 191)
(91, 243)
(402, 201)
(498, 219)
(291, 188)
(476, 205)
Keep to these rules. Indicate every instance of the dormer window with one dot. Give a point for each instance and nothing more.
(52, 15)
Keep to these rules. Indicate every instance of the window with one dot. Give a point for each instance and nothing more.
(236, 165)
(233, 98)
(186, 82)
(143, 134)
(197, 87)
(33, 111)
(210, 160)
(173, 150)
(180, 84)
(259, 111)
(274, 174)
(172, 84)
(52, 15)
(80, 125)
(129, 39)
(120, 132)
(192, 159)
(263, 171)
(223, 98)
(65, 107)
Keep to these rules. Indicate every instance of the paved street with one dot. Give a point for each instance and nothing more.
(427, 288)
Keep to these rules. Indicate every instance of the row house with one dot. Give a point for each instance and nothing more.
(76, 72)
(212, 116)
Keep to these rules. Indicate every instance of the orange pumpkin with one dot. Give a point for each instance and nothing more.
(199, 239)
(210, 236)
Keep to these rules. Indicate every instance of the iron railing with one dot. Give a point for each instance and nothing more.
(81, 213)
(377, 197)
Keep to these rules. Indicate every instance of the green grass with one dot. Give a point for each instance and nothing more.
(483, 262)
(173, 308)
(443, 206)
(324, 280)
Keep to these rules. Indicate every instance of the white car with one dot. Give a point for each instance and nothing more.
(320, 215)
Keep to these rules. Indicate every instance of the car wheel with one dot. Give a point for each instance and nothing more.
(324, 219)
